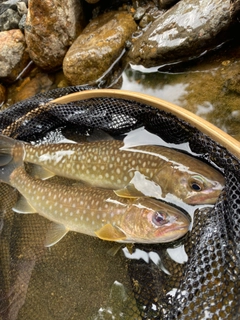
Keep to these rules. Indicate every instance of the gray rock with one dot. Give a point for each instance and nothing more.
(9, 19)
(186, 30)
(13, 55)
(21, 8)
(22, 22)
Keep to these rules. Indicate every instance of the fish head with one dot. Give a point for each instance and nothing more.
(196, 188)
(191, 180)
(151, 221)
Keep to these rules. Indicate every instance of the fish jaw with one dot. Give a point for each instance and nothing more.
(172, 232)
(139, 226)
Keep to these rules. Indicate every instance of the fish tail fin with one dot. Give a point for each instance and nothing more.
(11, 157)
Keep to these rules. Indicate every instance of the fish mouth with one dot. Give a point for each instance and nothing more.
(180, 230)
(203, 197)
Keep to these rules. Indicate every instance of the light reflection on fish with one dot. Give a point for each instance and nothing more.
(108, 164)
(93, 211)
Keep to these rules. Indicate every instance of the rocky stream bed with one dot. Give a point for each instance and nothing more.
(48, 44)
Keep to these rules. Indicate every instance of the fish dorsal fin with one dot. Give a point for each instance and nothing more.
(128, 192)
(23, 206)
(40, 172)
(110, 233)
(56, 232)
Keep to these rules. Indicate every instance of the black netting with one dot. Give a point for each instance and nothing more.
(207, 286)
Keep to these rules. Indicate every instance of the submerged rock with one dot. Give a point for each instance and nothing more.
(97, 47)
(13, 55)
(186, 30)
(51, 27)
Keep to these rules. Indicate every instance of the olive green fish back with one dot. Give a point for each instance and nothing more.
(38, 283)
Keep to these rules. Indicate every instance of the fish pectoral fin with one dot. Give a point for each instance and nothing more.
(110, 233)
(40, 172)
(23, 206)
(55, 233)
(128, 192)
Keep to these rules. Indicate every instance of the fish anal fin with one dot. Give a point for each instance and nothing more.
(55, 233)
(128, 192)
(110, 233)
(40, 172)
(23, 206)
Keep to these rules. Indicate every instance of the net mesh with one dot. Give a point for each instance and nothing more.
(207, 286)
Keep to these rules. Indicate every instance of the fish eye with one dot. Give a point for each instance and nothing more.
(159, 218)
(197, 183)
(196, 187)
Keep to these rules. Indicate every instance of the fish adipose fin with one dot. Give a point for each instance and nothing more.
(110, 233)
(55, 233)
(22, 206)
(39, 172)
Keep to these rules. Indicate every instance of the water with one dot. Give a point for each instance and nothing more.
(208, 87)
(80, 265)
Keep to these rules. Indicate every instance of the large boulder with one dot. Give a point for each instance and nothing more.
(186, 30)
(97, 47)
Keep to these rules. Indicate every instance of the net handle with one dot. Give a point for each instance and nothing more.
(203, 125)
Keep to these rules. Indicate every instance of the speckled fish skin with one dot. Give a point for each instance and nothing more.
(104, 164)
(86, 210)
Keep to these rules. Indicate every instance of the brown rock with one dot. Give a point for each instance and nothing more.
(29, 87)
(2, 94)
(97, 47)
(13, 55)
(51, 27)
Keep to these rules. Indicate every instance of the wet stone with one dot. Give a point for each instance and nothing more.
(13, 55)
(186, 30)
(51, 27)
(97, 47)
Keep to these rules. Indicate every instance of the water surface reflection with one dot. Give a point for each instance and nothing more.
(208, 87)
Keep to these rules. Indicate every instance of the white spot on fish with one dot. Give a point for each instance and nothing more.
(57, 157)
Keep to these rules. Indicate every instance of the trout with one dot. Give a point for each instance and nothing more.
(92, 211)
(107, 164)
